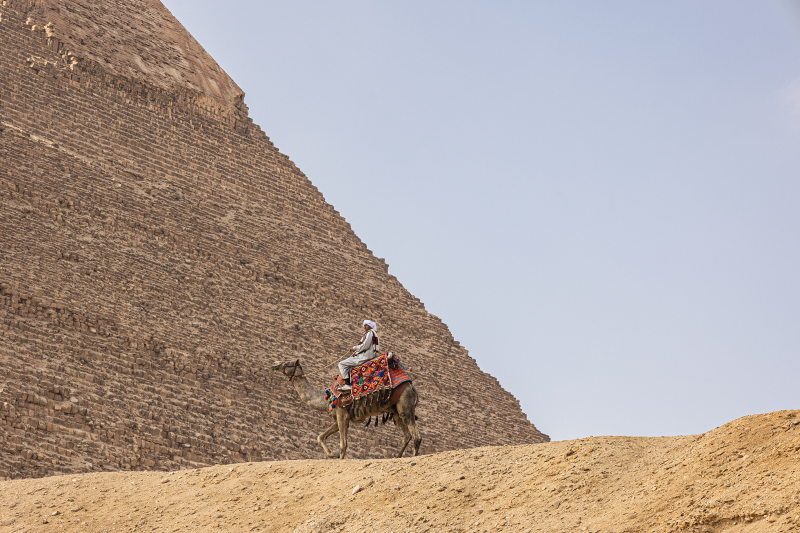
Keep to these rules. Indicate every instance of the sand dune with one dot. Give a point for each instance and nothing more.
(742, 476)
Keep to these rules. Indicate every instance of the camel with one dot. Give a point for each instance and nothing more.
(401, 409)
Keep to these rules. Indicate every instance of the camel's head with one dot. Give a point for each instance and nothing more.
(289, 368)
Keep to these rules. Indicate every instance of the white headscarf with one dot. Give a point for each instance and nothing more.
(371, 324)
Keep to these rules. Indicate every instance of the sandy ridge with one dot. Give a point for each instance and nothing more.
(742, 476)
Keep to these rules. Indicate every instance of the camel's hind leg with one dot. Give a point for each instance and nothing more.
(417, 436)
(406, 408)
(327, 433)
(399, 422)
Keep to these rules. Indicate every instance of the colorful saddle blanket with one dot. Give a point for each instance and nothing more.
(375, 375)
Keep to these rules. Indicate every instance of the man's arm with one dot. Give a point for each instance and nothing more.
(364, 346)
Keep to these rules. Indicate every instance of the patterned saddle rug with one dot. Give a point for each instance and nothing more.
(374, 379)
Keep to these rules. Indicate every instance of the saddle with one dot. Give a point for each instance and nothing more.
(373, 381)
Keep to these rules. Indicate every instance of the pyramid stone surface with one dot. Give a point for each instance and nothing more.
(157, 253)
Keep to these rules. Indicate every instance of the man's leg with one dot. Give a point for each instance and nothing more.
(344, 369)
(347, 365)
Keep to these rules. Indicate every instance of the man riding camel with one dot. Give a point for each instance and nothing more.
(367, 349)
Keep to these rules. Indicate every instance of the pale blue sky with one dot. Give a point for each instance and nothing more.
(600, 199)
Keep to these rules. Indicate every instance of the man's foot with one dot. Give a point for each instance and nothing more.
(345, 388)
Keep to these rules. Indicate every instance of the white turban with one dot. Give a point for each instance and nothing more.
(371, 324)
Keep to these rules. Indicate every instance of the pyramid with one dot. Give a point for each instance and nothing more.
(157, 253)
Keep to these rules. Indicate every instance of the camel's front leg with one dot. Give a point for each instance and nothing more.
(327, 433)
(342, 422)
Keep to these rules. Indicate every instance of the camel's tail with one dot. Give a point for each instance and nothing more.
(416, 402)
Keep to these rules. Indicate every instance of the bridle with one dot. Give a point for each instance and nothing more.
(293, 376)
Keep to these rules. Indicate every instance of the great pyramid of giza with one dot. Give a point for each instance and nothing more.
(157, 253)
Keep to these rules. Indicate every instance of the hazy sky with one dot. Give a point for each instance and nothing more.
(600, 199)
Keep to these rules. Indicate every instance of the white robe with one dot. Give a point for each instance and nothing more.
(363, 353)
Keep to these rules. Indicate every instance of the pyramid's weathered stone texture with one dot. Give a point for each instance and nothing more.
(157, 252)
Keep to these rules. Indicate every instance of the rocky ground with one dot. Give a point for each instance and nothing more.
(742, 476)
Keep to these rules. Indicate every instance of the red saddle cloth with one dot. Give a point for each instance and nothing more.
(374, 375)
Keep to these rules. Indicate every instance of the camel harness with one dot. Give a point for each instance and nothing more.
(293, 376)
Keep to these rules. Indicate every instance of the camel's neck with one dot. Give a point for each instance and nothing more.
(312, 397)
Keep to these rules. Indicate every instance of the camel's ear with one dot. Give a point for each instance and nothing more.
(297, 363)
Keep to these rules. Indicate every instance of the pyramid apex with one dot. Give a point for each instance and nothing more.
(138, 39)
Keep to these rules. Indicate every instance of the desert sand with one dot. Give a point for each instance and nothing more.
(742, 476)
